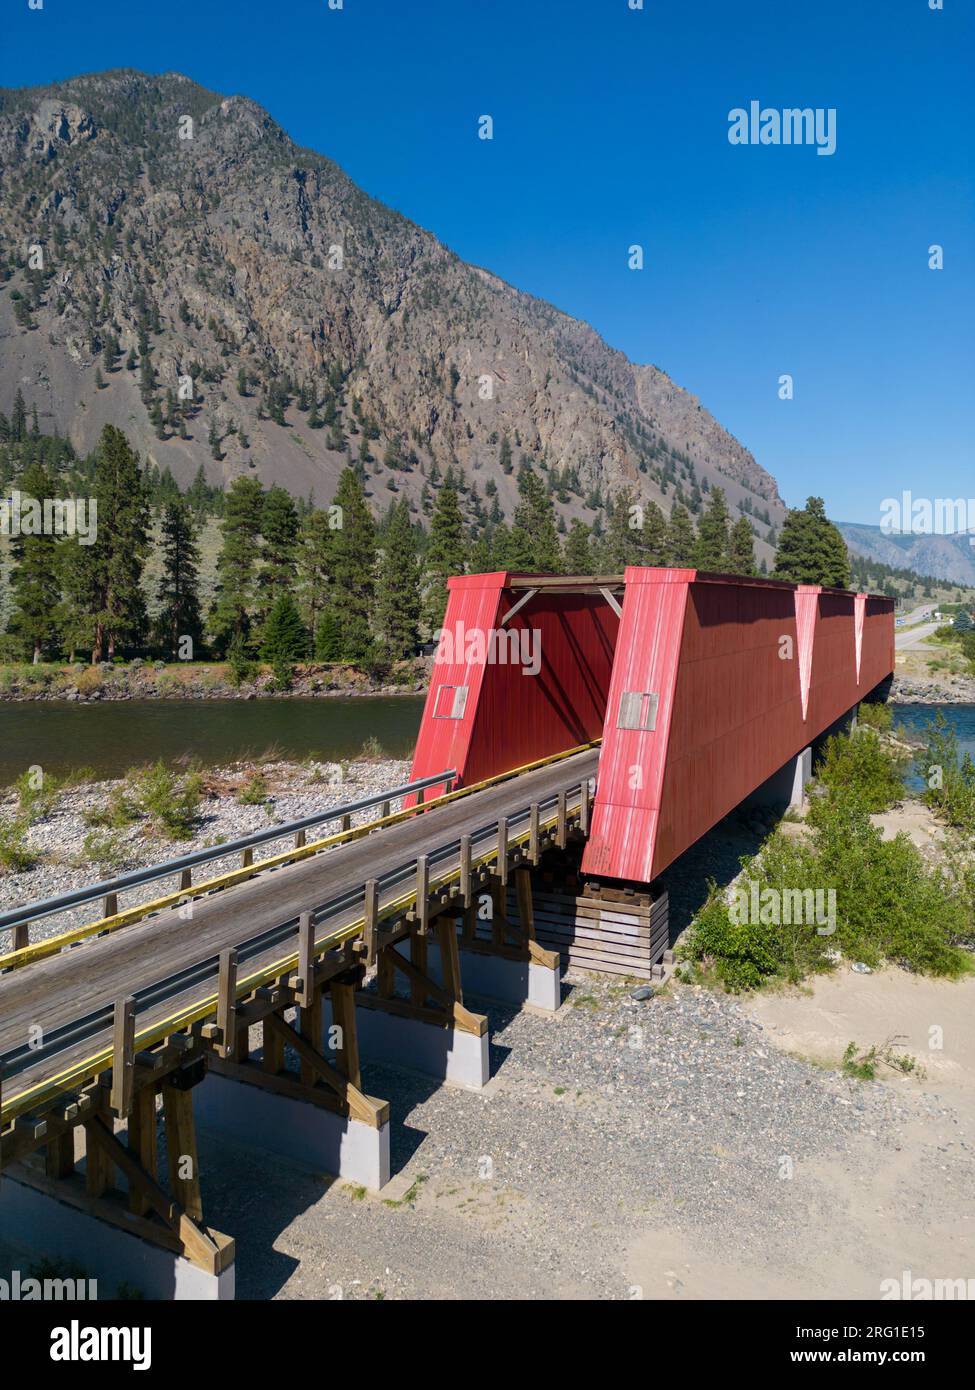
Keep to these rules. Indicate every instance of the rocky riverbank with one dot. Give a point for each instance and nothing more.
(140, 680)
(70, 847)
(932, 689)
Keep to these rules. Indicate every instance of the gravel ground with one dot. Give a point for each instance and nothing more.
(613, 1119)
(295, 790)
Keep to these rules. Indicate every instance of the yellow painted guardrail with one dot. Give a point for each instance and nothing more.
(53, 945)
(101, 1061)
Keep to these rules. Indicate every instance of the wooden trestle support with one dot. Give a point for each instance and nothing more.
(291, 1044)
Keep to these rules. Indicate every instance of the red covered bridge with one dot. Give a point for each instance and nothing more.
(704, 688)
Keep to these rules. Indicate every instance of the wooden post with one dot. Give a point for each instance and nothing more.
(21, 936)
(384, 810)
(110, 905)
(465, 869)
(420, 798)
(98, 1167)
(227, 1004)
(345, 824)
(247, 857)
(533, 845)
(184, 1162)
(299, 839)
(371, 920)
(418, 955)
(450, 956)
(584, 806)
(503, 849)
(59, 1155)
(499, 907)
(306, 960)
(273, 1059)
(526, 908)
(560, 824)
(123, 1056)
(142, 1142)
(343, 1014)
(422, 892)
(185, 880)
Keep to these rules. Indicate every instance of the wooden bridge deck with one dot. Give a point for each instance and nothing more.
(168, 962)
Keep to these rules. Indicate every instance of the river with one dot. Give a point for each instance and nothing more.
(116, 735)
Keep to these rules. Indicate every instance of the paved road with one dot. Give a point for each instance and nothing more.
(914, 637)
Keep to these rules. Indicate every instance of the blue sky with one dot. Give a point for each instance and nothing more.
(611, 128)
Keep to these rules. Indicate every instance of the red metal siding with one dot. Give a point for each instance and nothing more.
(513, 716)
(731, 695)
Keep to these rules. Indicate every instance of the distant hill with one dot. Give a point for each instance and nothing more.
(316, 324)
(951, 558)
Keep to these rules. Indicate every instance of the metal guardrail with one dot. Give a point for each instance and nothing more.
(48, 907)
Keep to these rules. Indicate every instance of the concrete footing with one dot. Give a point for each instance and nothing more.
(114, 1257)
(448, 1054)
(507, 981)
(787, 786)
(308, 1134)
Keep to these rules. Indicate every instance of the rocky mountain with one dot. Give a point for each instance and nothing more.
(948, 557)
(176, 266)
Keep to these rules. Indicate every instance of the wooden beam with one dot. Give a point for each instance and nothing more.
(370, 928)
(360, 1107)
(343, 1016)
(199, 1247)
(584, 806)
(227, 1003)
(422, 892)
(418, 955)
(59, 1154)
(306, 960)
(98, 1169)
(310, 1027)
(465, 869)
(450, 956)
(142, 1144)
(123, 1056)
(534, 850)
(523, 894)
(181, 1151)
(503, 849)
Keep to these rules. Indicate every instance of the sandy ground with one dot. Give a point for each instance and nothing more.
(871, 1217)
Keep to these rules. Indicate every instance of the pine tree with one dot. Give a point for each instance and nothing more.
(619, 545)
(446, 553)
(681, 540)
(578, 557)
(353, 567)
(179, 598)
(398, 590)
(279, 529)
(34, 583)
(741, 548)
(811, 549)
(534, 538)
(237, 561)
(711, 550)
(328, 638)
(285, 639)
(651, 539)
(314, 564)
(114, 566)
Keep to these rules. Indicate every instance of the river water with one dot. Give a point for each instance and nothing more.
(119, 734)
(116, 735)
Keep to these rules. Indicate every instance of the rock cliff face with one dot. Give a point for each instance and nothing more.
(244, 280)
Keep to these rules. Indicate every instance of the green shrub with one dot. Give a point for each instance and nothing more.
(16, 856)
(949, 781)
(863, 760)
(876, 715)
(254, 791)
(170, 802)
